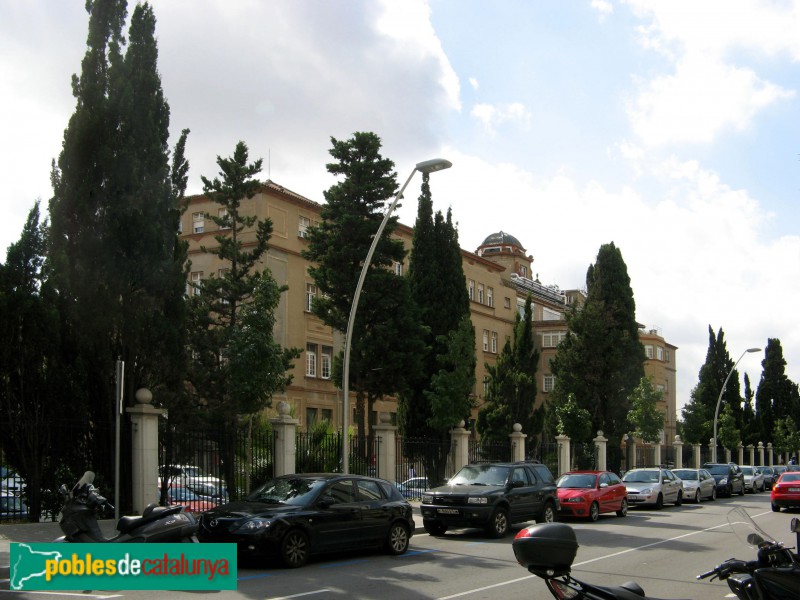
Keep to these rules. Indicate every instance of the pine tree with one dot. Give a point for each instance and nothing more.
(601, 359)
(776, 394)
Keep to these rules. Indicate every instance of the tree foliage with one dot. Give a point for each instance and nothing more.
(573, 421)
(776, 395)
(601, 359)
(644, 419)
(728, 434)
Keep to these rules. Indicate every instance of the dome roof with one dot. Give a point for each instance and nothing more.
(501, 237)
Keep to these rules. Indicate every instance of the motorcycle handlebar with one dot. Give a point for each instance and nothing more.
(729, 566)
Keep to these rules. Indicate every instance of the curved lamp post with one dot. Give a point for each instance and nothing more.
(722, 391)
(427, 166)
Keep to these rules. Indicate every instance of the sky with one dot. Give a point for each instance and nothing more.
(669, 128)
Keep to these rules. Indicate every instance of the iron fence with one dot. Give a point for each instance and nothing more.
(481, 451)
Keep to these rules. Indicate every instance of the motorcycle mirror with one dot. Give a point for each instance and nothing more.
(754, 539)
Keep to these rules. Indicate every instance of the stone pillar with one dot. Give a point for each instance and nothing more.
(696, 452)
(740, 454)
(386, 463)
(727, 455)
(517, 443)
(678, 445)
(284, 430)
(563, 454)
(752, 454)
(459, 446)
(770, 456)
(144, 449)
(632, 452)
(761, 454)
(657, 453)
(601, 444)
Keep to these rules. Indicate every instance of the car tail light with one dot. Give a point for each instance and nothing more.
(562, 589)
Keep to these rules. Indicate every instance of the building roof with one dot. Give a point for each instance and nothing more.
(501, 237)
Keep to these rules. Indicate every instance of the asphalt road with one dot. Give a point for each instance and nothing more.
(662, 550)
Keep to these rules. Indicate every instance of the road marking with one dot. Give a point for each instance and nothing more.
(299, 595)
(586, 562)
(79, 594)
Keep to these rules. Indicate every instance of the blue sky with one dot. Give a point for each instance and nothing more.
(669, 128)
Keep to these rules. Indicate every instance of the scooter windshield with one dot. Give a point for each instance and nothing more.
(746, 529)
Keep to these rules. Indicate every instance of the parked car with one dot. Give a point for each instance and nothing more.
(293, 517)
(654, 486)
(769, 476)
(178, 494)
(413, 488)
(587, 494)
(786, 491)
(11, 482)
(209, 491)
(12, 507)
(492, 496)
(729, 478)
(753, 479)
(187, 475)
(697, 484)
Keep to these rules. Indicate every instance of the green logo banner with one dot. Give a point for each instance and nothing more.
(123, 566)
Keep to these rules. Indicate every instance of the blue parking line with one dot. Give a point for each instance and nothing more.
(342, 564)
(416, 552)
(259, 576)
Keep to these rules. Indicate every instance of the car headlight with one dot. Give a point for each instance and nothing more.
(575, 499)
(427, 499)
(254, 526)
(646, 491)
(478, 500)
(723, 481)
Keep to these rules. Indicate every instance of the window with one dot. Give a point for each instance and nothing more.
(311, 417)
(480, 293)
(494, 342)
(368, 491)
(551, 339)
(327, 415)
(666, 355)
(507, 302)
(325, 361)
(548, 383)
(398, 268)
(490, 296)
(198, 222)
(648, 350)
(485, 340)
(311, 360)
(311, 293)
(471, 289)
(222, 215)
(523, 270)
(342, 492)
(485, 386)
(194, 288)
(302, 227)
(550, 315)
(659, 353)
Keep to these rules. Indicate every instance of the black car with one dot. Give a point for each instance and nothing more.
(294, 516)
(729, 478)
(491, 496)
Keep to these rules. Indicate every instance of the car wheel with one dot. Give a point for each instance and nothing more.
(660, 502)
(679, 498)
(741, 491)
(713, 493)
(498, 525)
(697, 497)
(548, 514)
(623, 509)
(398, 539)
(594, 511)
(295, 549)
(434, 527)
(775, 507)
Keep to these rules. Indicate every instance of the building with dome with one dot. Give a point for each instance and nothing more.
(499, 277)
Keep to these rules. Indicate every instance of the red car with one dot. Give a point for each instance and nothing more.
(177, 494)
(586, 494)
(786, 491)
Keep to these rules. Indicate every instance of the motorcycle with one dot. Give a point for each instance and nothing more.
(78, 519)
(548, 551)
(774, 574)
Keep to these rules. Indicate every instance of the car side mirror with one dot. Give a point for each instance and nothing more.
(326, 501)
(517, 483)
(603, 485)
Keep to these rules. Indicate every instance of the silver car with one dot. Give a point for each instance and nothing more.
(698, 484)
(753, 479)
(654, 486)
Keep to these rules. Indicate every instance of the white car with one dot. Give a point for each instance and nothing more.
(654, 486)
(189, 475)
(753, 479)
(698, 484)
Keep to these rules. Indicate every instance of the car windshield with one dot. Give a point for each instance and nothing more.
(748, 470)
(790, 477)
(288, 490)
(641, 477)
(481, 475)
(575, 480)
(686, 474)
(718, 469)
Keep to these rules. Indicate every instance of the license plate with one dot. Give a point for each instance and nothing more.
(795, 490)
(447, 511)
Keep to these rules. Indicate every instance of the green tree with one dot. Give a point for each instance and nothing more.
(573, 421)
(236, 366)
(728, 433)
(786, 437)
(776, 395)
(512, 382)
(751, 432)
(386, 339)
(601, 359)
(644, 419)
(116, 262)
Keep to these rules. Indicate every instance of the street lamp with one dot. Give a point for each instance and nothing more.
(427, 166)
(722, 391)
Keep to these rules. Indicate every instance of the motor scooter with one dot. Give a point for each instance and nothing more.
(78, 519)
(548, 550)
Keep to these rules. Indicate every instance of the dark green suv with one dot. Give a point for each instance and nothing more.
(492, 496)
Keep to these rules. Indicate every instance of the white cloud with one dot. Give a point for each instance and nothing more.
(493, 116)
(603, 7)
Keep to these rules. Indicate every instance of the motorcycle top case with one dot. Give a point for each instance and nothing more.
(547, 549)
